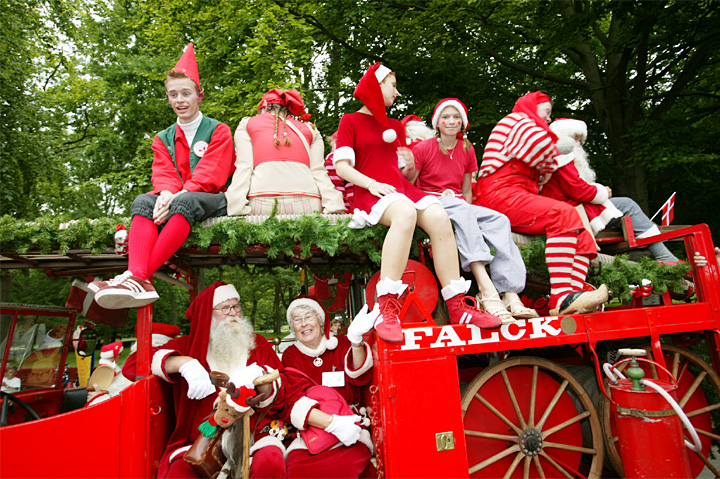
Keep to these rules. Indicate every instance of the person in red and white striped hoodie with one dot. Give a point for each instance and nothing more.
(519, 157)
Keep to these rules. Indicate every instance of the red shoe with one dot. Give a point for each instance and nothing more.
(461, 313)
(126, 291)
(388, 323)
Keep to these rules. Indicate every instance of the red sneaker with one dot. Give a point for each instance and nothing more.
(388, 323)
(461, 313)
(126, 291)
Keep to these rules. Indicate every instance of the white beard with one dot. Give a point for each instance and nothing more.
(583, 165)
(231, 342)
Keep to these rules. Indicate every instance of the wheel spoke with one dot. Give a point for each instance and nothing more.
(526, 467)
(513, 399)
(709, 434)
(568, 447)
(493, 459)
(707, 462)
(500, 415)
(518, 457)
(552, 404)
(557, 466)
(692, 389)
(538, 466)
(703, 410)
(533, 395)
(490, 435)
(676, 366)
(565, 424)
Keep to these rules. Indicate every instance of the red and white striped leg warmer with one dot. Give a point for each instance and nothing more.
(559, 255)
(579, 272)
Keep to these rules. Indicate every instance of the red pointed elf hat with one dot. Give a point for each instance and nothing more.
(188, 65)
(368, 91)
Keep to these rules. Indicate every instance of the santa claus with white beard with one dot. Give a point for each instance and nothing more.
(221, 339)
(574, 183)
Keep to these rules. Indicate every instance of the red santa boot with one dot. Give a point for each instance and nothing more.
(341, 292)
(460, 312)
(388, 323)
(321, 289)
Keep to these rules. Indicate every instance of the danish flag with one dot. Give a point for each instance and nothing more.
(668, 210)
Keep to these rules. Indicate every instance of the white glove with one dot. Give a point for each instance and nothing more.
(362, 323)
(345, 429)
(197, 378)
(247, 376)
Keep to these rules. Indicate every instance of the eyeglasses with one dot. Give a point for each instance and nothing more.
(304, 319)
(226, 309)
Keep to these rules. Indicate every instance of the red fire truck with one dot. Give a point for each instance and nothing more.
(524, 400)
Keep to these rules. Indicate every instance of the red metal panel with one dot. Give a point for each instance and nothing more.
(419, 399)
(59, 440)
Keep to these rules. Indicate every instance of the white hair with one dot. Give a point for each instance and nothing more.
(417, 130)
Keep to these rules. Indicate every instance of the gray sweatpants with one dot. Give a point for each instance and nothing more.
(477, 231)
(194, 206)
(641, 225)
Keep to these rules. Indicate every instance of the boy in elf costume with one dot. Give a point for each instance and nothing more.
(194, 160)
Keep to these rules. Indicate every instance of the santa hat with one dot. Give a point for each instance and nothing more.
(331, 343)
(368, 91)
(416, 130)
(242, 394)
(459, 106)
(408, 118)
(290, 99)
(188, 65)
(111, 351)
(569, 127)
(162, 333)
(223, 293)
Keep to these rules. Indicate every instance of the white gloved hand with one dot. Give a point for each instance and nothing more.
(345, 429)
(247, 376)
(362, 323)
(197, 378)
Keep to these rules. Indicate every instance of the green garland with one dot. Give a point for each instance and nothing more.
(234, 235)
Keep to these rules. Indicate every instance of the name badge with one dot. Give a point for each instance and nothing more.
(335, 379)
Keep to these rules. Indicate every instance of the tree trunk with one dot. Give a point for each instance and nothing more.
(5, 286)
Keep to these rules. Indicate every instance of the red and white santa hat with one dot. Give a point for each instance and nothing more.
(111, 351)
(570, 127)
(188, 65)
(459, 106)
(331, 342)
(368, 91)
(223, 293)
(162, 333)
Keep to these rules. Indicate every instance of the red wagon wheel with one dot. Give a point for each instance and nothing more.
(529, 417)
(698, 394)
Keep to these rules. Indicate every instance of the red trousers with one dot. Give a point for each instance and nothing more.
(513, 191)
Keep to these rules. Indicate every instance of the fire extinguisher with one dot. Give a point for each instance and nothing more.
(649, 421)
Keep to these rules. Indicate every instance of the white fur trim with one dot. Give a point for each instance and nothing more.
(599, 223)
(230, 402)
(332, 343)
(565, 145)
(563, 160)
(300, 411)
(276, 385)
(569, 127)
(223, 293)
(157, 366)
(310, 303)
(178, 452)
(601, 196)
(159, 340)
(456, 286)
(381, 73)
(445, 104)
(362, 219)
(365, 365)
(98, 399)
(654, 230)
(390, 286)
(267, 441)
(344, 153)
(389, 135)
(313, 353)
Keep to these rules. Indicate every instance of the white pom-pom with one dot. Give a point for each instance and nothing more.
(389, 135)
(565, 145)
(332, 343)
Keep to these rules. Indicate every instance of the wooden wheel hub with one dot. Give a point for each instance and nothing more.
(531, 442)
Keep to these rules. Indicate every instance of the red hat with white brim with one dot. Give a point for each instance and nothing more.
(368, 91)
(459, 106)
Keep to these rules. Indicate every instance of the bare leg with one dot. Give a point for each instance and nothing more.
(437, 225)
(400, 217)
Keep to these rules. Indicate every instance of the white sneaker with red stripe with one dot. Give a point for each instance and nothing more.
(126, 291)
